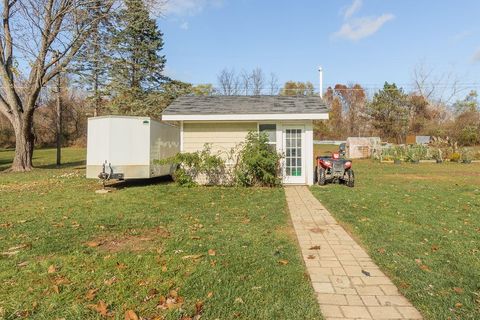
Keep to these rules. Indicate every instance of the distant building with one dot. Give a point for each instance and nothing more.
(418, 139)
(362, 147)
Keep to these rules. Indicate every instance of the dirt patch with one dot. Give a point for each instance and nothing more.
(133, 240)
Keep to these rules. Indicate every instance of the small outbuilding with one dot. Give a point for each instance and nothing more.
(362, 147)
(224, 122)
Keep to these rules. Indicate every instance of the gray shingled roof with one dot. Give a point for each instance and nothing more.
(188, 105)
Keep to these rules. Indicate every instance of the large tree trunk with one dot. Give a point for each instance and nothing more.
(24, 143)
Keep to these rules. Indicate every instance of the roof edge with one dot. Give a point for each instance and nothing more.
(246, 117)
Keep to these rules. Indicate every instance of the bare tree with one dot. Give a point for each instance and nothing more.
(245, 80)
(46, 34)
(228, 82)
(258, 81)
(273, 84)
(438, 89)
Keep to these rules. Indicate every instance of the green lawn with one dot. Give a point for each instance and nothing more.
(421, 224)
(158, 249)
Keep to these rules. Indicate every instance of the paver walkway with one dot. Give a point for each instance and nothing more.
(347, 283)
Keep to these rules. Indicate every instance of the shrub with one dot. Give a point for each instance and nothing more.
(416, 153)
(257, 164)
(455, 157)
(192, 164)
(466, 154)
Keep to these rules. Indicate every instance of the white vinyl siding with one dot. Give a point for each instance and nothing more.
(222, 136)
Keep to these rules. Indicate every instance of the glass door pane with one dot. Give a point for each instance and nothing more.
(293, 146)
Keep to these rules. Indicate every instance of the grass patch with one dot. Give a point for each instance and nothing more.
(421, 225)
(158, 249)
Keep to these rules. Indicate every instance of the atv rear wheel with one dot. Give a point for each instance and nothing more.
(350, 178)
(321, 176)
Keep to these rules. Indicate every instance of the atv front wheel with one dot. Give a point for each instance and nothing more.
(321, 176)
(350, 178)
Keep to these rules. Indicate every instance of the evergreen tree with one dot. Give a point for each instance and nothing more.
(389, 111)
(92, 62)
(137, 63)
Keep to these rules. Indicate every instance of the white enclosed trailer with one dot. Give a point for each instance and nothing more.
(121, 147)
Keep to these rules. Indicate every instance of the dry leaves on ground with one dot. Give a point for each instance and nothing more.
(101, 307)
(171, 301)
(131, 315)
(91, 294)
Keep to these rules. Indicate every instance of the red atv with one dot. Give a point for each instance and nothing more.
(334, 169)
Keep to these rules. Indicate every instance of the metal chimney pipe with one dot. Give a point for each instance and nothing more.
(320, 72)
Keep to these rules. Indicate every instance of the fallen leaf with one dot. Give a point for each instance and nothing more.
(59, 280)
(317, 230)
(22, 264)
(110, 281)
(458, 305)
(164, 269)
(315, 248)
(238, 300)
(435, 248)
(283, 262)
(92, 244)
(130, 315)
(366, 273)
(56, 289)
(310, 256)
(381, 250)
(210, 294)
(9, 253)
(193, 257)
(91, 294)
(458, 290)
(173, 293)
(52, 269)
(425, 267)
(198, 307)
(101, 307)
(121, 265)
(20, 246)
(211, 252)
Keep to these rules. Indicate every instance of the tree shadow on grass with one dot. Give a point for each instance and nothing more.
(73, 164)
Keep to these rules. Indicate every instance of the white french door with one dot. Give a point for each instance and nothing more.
(294, 151)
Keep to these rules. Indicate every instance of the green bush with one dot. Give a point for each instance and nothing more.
(257, 164)
(192, 164)
(416, 153)
(466, 154)
(469, 136)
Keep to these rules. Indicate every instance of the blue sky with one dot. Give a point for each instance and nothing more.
(366, 42)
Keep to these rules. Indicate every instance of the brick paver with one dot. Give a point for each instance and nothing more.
(346, 281)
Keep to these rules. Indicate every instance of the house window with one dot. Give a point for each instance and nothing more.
(271, 131)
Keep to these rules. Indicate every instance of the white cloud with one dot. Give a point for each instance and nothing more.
(349, 11)
(476, 56)
(188, 7)
(184, 25)
(360, 28)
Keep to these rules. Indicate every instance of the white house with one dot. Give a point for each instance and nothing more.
(224, 121)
